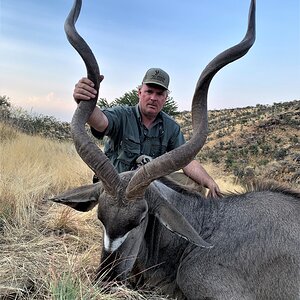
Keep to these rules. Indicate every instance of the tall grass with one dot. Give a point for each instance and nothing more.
(32, 168)
(226, 182)
(47, 251)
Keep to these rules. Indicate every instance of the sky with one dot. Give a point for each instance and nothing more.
(39, 68)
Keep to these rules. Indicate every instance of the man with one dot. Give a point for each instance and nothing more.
(141, 130)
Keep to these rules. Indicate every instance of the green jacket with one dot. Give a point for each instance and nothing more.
(127, 138)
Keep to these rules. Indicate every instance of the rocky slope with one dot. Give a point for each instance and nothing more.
(251, 142)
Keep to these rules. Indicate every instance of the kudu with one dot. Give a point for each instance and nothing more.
(243, 246)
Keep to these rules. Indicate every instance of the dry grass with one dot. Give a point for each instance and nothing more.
(226, 183)
(48, 251)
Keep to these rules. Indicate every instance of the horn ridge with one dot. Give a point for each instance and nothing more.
(87, 150)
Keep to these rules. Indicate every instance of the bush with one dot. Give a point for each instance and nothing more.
(32, 123)
(5, 107)
(280, 154)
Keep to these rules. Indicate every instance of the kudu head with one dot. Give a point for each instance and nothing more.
(121, 197)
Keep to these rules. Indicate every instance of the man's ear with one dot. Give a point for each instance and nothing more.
(139, 90)
(83, 198)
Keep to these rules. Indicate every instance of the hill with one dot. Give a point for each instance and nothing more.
(253, 142)
(250, 142)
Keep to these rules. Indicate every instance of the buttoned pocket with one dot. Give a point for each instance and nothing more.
(130, 150)
(157, 149)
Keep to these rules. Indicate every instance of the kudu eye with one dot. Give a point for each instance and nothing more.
(142, 219)
(143, 214)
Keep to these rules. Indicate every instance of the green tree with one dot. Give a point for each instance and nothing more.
(131, 98)
(5, 101)
(5, 107)
(103, 103)
(171, 107)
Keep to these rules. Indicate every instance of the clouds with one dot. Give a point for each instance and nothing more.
(62, 109)
(39, 68)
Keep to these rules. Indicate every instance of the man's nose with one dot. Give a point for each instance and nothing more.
(154, 97)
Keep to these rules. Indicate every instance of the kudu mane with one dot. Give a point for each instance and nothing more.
(268, 185)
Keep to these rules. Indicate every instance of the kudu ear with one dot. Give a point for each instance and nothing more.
(83, 198)
(173, 220)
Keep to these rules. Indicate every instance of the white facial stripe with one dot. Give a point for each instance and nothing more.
(112, 245)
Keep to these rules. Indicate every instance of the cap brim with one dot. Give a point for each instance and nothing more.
(156, 83)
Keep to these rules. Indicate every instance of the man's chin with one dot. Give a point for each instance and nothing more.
(151, 112)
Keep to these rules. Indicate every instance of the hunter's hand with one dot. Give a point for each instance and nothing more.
(84, 89)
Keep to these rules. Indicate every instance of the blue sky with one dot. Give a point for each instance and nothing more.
(39, 68)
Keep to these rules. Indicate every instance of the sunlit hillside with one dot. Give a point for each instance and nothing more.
(253, 142)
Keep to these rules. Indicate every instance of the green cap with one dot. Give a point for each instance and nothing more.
(157, 76)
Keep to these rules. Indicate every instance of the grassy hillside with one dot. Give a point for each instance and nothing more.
(252, 142)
